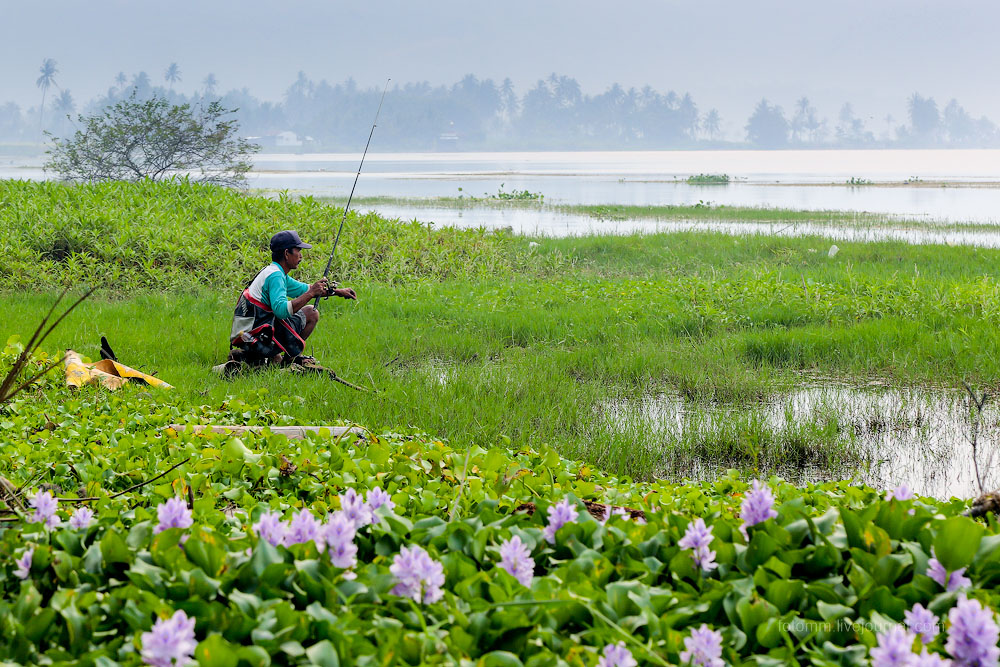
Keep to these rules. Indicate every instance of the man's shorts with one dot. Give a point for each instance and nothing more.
(298, 322)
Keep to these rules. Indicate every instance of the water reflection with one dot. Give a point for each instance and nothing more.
(876, 435)
(552, 222)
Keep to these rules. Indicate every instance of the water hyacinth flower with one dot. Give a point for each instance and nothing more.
(338, 534)
(376, 498)
(81, 518)
(45, 509)
(901, 492)
(697, 537)
(926, 659)
(271, 527)
(302, 528)
(419, 576)
(172, 514)
(951, 581)
(923, 622)
(517, 561)
(616, 655)
(703, 647)
(894, 649)
(170, 642)
(972, 635)
(355, 508)
(559, 515)
(758, 506)
(23, 563)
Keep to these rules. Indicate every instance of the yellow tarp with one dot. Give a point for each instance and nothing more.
(110, 374)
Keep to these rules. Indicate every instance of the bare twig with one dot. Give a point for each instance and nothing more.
(131, 488)
(976, 405)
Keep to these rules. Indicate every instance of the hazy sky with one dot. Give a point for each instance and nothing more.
(727, 54)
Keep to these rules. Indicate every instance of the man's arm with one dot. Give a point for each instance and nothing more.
(277, 295)
(318, 288)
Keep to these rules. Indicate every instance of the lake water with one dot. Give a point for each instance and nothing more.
(809, 180)
(890, 436)
(951, 185)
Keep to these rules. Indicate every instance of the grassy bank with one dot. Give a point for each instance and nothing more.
(478, 337)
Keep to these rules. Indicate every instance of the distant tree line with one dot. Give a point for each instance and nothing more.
(483, 114)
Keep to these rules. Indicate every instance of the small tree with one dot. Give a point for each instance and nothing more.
(137, 139)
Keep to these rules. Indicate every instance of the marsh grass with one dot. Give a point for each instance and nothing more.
(477, 337)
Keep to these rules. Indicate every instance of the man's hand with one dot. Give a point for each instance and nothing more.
(319, 288)
(344, 293)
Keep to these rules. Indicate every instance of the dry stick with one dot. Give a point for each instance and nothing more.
(978, 403)
(131, 488)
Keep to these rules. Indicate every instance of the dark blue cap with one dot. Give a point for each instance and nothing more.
(287, 239)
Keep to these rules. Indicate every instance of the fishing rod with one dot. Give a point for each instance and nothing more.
(326, 272)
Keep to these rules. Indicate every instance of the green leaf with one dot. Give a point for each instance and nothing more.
(39, 624)
(214, 651)
(956, 542)
(323, 654)
(831, 612)
(114, 549)
(205, 550)
(500, 659)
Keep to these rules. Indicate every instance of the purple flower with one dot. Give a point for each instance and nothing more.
(377, 497)
(302, 528)
(171, 641)
(23, 568)
(559, 515)
(172, 514)
(517, 561)
(951, 581)
(419, 576)
(354, 508)
(81, 518)
(972, 635)
(338, 534)
(270, 527)
(697, 538)
(895, 648)
(901, 492)
(616, 655)
(610, 511)
(703, 647)
(45, 509)
(923, 622)
(758, 506)
(926, 659)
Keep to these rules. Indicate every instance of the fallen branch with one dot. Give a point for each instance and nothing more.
(131, 488)
(596, 510)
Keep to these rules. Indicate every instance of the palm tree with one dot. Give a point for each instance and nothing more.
(172, 75)
(64, 104)
(64, 107)
(509, 99)
(712, 124)
(210, 83)
(141, 85)
(48, 78)
(121, 80)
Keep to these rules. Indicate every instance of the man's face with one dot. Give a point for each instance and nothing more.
(292, 257)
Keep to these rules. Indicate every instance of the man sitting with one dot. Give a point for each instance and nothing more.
(273, 317)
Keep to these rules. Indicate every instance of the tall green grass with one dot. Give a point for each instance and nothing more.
(179, 234)
(475, 336)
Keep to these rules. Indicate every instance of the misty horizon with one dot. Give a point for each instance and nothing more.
(726, 55)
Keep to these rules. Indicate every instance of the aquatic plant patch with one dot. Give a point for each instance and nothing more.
(126, 542)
